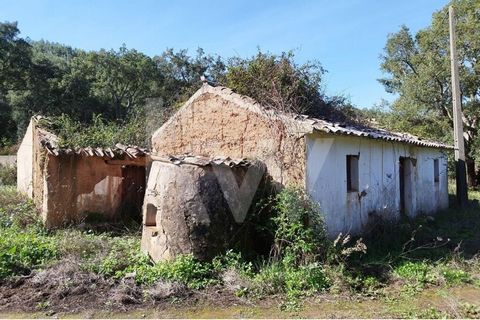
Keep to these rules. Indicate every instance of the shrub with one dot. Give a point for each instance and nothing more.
(99, 133)
(300, 235)
(455, 276)
(17, 211)
(8, 175)
(21, 252)
(420, 272)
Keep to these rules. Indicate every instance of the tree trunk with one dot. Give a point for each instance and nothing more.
(471, 172)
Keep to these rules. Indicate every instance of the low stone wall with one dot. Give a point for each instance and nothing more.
(8, 160)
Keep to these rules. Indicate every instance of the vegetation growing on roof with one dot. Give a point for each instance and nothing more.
(278, 81)
(99, 133)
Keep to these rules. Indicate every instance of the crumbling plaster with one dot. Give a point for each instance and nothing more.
(209, 125)
(379, 191)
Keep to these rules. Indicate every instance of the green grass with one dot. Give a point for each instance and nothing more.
(8, 175)
(421, 254)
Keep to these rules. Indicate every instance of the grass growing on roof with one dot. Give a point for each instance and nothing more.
(98, 133)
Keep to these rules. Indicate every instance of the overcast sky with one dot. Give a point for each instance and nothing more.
(346, 36)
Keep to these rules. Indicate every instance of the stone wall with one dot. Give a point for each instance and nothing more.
(77, 185)
(197, 209)
(210, 125)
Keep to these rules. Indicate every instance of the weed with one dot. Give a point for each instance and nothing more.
(455, 276)
(188, 270)
(476, 283)
(100, 133)
(233, 260)
(419, 272)
(429, 313)
(8, 175)
(24, 245)
(299, 229)
(21, 252)
(43, 305)
(470, 310)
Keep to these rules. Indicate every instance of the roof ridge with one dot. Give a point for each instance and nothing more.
(327, 126)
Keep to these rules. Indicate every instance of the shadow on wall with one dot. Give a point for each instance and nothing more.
(206, 217)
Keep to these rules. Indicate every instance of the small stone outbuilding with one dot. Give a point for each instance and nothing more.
(69, 186)
(356, 174)
(197, 205)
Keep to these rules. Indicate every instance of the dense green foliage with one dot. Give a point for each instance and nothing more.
(131, 93)
(300, 235)
(417, 69)
(22, 248)
(279, 82)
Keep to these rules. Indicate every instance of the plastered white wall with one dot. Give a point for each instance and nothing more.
(379, 182)
(25, 163)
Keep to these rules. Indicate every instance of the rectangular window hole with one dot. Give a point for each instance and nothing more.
(352, 173)
(436, 171)
(151, 215)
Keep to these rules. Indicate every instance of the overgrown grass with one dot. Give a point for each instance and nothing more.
(24, 245)
(99, 133)
(424, 253)
(8, 175)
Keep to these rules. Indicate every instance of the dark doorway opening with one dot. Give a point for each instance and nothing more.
(406, 184)
(133, 191)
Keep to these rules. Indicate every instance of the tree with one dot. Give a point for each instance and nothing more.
(15, 57)
(15, 60)
(278, 81)
(121, 79)
(181, 73)
(418, 70)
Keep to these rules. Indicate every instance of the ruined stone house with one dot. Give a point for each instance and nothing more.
(69, 186)
(356, 174)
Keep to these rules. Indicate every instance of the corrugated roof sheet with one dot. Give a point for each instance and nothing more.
(308, 124)
(50, 142)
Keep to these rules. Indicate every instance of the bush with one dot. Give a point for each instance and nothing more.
(420, 272)
(21, 252)
(300, 235)
(17, 211)
(8, 175)
(99, 133)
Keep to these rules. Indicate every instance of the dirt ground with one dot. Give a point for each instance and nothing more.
(84, 295)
